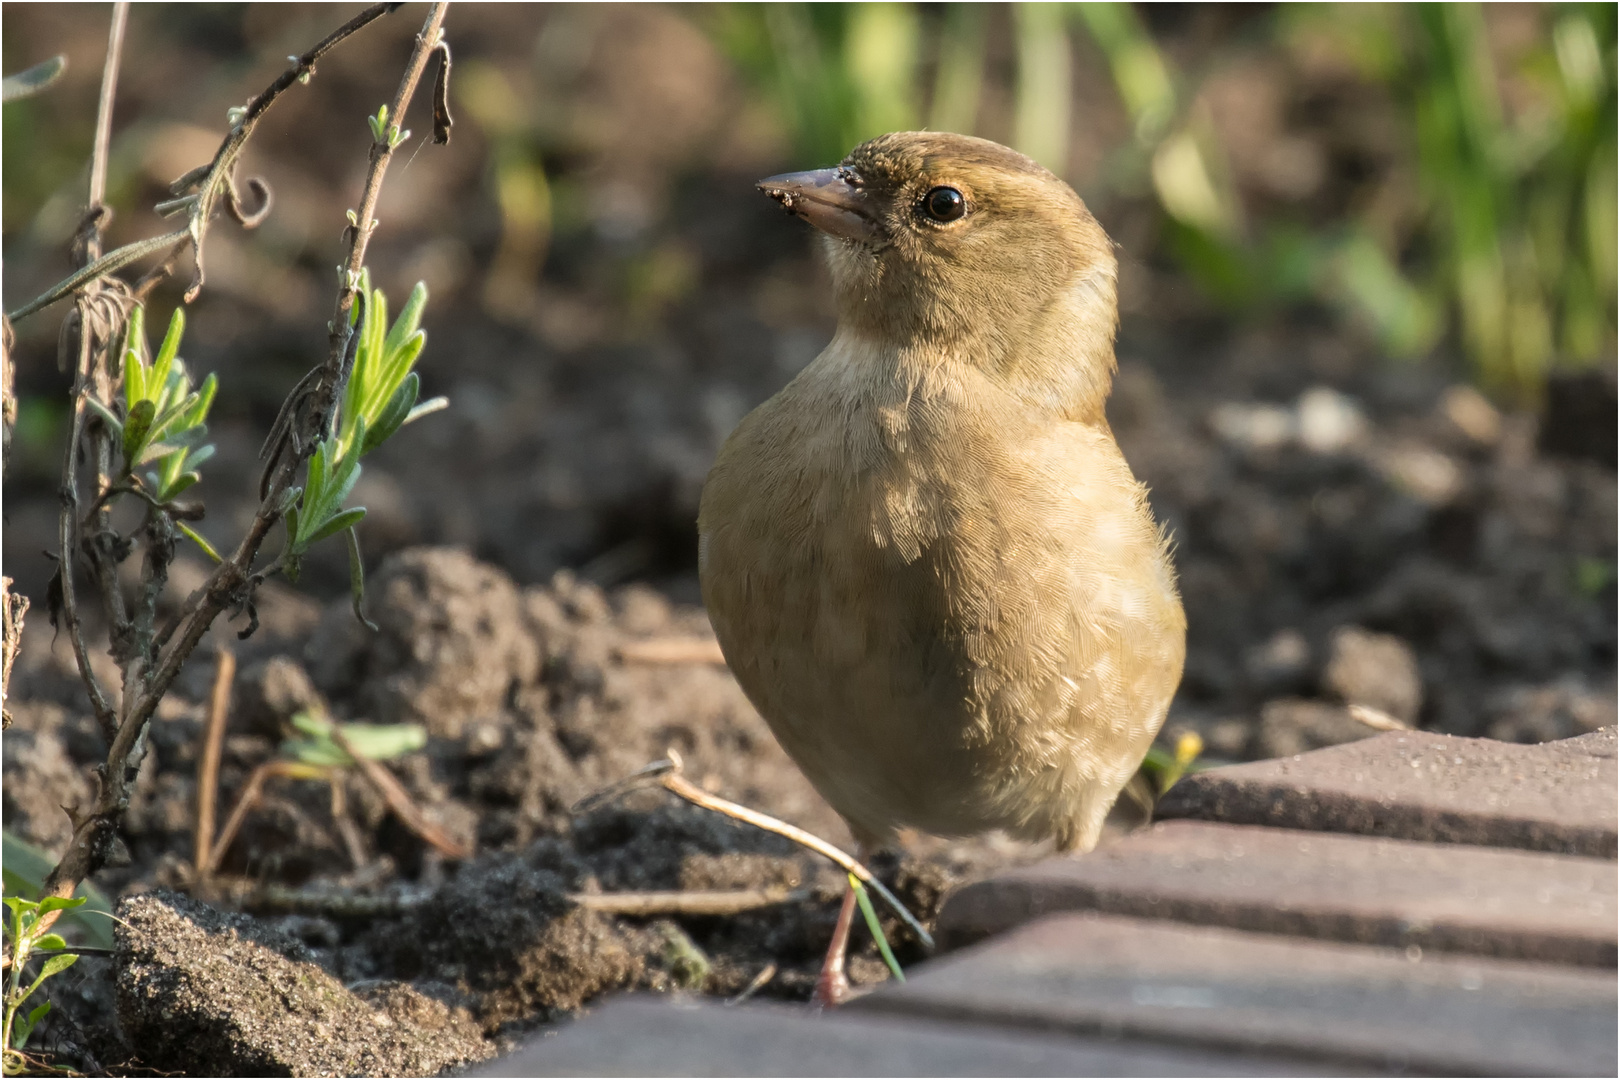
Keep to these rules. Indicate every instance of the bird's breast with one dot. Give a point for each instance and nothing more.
(918, 591)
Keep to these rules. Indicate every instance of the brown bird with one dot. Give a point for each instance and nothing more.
(926, 560)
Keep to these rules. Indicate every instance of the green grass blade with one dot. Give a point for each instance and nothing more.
(869, 913)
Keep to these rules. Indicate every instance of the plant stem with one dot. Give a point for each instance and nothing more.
(150, 668)
(208, 761)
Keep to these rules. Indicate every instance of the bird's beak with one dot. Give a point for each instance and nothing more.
(829, 200)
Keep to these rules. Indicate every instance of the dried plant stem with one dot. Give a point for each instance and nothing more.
(687, 901)
(398, 799)
(109, 87)
(219, 703)
(667, 774)
(755, 985)
(245, 801)
(13, 606)
(152, 661)
(673, 650)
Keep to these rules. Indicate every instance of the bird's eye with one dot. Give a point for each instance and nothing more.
(944, 204)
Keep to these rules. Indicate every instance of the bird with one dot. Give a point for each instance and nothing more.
(926, 560)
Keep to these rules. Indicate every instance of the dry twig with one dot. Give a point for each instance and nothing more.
(219, 703)
(667, 774)
(687, 901)
(398, 799)
(672, 650)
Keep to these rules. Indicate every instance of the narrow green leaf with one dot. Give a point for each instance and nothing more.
(393, 415)
(178, 486)
(315, 484)
(357, 581)
(395, 369)
(171, 342)
(31, 81)
(136, 429)
(870, 915)
(199, 455)
(204, 401)
(289, 519)
(310, 723)
(196, 538)
(163, 367)
(338, 522)
(134, 378)
(410, 318)
(153, 451)
(108, 417)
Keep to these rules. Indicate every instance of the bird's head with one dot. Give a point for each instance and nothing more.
(949, 243)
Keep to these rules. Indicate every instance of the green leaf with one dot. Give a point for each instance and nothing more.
(153, 451)
(337, 523)
(30, 81)
(316, 481)
(178, 486)
(196, 538)
(872, 924)
(25, 869)
(61, 903)
(55, 965)
(134, 354)
(396, 367)
(23, 1027)
(204, 401)
(50, 943)
(376, 742)
(136, 429)
(357, 581)
(393, 414)
(170, 347)
(108, 417)
(410, 317)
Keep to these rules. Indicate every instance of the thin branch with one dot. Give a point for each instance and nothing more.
(109, 86)
(687, 901)
(672, 650)
(667, 774)
(335, 373)
(89, 309)
(755, 985)
(213, 181)
(219, 703)
(246, 800)
(13, 606)
(398, 799)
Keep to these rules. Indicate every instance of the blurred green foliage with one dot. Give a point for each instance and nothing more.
(1508, 259)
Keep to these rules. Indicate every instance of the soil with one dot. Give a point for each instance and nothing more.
(1349, 531)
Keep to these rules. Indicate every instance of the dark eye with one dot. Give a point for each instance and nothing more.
(944, 204)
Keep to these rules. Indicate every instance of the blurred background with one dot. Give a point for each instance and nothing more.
(1367, 295)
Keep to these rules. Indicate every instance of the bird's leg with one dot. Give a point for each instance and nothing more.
(832, 987)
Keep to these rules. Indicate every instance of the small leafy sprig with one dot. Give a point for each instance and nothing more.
(161, 422)
(28, 936)
(379, 398)
(163, 418)
(384, 132)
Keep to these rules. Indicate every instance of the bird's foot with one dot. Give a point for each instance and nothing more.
(832, 989)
